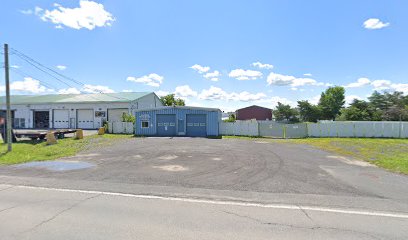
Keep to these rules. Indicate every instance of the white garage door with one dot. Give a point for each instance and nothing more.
(115, 114)
(61, 118)
(85, 118)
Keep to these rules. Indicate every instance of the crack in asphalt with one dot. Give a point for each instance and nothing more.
(4, 189)
(9, 208)
(60, 212)
(306, 214)
(300, 227)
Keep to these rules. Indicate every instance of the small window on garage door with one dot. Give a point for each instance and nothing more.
(145, 124)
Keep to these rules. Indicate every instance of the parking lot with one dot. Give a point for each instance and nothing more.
(216, 164)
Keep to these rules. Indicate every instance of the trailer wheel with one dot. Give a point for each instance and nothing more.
(61, 136)
(41, 137)
(33, 138)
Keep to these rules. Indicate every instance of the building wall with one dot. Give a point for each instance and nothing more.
(26, 111)
(254, 112)
(213, 118)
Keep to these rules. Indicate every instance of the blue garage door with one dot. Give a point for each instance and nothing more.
(196, 125)
(166, 124)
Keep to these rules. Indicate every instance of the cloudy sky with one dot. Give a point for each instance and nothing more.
(215, 53)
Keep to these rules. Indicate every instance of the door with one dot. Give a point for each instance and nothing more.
(85, 118)
(166, 124)
(115, 114)
(61, 118)
(196, 125)
(41, 119)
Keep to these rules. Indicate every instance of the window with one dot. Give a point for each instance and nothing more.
(145, 124)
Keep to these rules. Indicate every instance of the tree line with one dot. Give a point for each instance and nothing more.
(386, 106)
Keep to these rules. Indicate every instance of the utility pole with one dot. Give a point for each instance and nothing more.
(8, 113)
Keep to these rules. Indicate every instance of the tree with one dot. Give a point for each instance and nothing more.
(393, 106)
(309, 112)
(171, 100)
(360, 110)
(231, 118)
(331, 102)
(286, 113)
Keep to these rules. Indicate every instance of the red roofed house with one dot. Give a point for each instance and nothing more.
(254, 112)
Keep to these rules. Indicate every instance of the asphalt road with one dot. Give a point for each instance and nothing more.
(36, 213)
(213, 189)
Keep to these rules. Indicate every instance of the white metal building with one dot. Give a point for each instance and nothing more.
(85, 111)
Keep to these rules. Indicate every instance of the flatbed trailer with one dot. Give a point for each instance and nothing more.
(41, 134)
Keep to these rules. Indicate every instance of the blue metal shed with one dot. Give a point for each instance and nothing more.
(178, 121)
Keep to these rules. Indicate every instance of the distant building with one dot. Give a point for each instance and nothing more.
(87, 111)
(254, 112)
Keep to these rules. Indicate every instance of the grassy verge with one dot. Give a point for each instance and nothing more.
(27, 151)
(391, 154)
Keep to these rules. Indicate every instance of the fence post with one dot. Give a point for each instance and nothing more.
(284, 130)
(400, 130)
(259, 133)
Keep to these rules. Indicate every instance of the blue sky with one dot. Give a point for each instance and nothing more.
(225, 54)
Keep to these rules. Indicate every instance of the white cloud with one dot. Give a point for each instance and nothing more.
(215, 93)
(15, 66)
(127, 90)
(88, 88)
(200, 69)
(349, 99)
(61, 67)
(273, 101)
(213, 76)
(69, 91)
(380, 85)
(29, 85)
(243, 75)
(262, 65)
(315, 100)
(161, 93)
(27, 12)
(184, 91)
(360, 83)
(307, 74)
(152, 79)
(287, 80)
(88, 15)
(375, 23)
(246, 96)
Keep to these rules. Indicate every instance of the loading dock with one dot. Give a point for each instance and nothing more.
(196, 125)
(85, 118)
(60, 118)
(166, 124)
(41, 119)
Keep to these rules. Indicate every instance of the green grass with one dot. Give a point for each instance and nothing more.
(391, 154)
(27, 151)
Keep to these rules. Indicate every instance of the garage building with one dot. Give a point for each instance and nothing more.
(85, 111)
(254, 112)
(178, 121)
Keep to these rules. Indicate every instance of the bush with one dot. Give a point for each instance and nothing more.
(126, 117)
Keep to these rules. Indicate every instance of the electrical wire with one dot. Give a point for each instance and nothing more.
(24, 75)
(33, 62)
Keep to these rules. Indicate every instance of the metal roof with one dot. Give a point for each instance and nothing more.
(179, 107)
(75, 98)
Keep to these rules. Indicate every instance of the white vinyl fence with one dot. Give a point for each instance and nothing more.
(359, 129)
(121, 127)
(324, 129)
(239, 128)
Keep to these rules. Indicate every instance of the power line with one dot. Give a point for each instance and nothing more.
(23, 74)
(32, 62)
